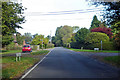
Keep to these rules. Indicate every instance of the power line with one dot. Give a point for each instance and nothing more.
(64, 12)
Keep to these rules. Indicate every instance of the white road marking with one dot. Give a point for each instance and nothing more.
(34, 66)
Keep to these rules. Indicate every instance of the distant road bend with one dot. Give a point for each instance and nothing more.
(64, 63)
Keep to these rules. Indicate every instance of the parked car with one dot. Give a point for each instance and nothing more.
(26, 48)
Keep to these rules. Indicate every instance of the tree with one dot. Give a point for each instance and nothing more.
(37, 40)
(96, 37)
(103, 30)
(20, 38)
(81, 34)
(28, 37)
(45, 40)
(111, 11)
(116, 39)
(62, 32)
(75, 29)
(95, 22)
(35, 35)
(11, 18)
(80, 37)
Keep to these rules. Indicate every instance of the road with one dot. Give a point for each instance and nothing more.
(64, 63)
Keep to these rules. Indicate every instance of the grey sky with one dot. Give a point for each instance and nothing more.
(44, 16)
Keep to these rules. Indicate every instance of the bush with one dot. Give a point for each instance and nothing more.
(12, 46)
(34, 47)
(50, 45)
(105, 45)
(96, 37)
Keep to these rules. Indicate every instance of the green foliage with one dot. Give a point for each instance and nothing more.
(116, 40)
(111, 11)
(81, 34)
(27, 37)
(96, 37)
(114, 60)
(78, 40)
(105, 45)
(34, 47)
(10, 51)
(15, 69)
(11, 18)
(50, 45)
(20, 38)
(63, 35)
(95, 22)
(40, 52)
(37, 40)
(6, 39)
(12, 46)
(75, 29)
(46, 40)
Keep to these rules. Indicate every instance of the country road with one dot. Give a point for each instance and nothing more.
(64, 63)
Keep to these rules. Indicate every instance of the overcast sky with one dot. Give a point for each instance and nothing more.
(43, 16)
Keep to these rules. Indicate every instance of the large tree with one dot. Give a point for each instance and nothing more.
(111, 12)
(11, 18)
(28, 37)
(62, 33)
(95, 22)
(79, 40)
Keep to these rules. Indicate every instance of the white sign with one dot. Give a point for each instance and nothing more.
(18, 54)
(96, 49)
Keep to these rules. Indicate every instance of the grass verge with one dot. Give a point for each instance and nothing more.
(9, 51)
(41, 52)
(84, 50)
(12, 69)
(113, 60)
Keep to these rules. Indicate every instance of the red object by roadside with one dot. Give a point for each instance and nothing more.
(26, 48)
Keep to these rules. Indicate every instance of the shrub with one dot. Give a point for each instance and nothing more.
(50, 45)
(34, 47)
(12, 46)
(103, 30)
(105, 45)
(96, 37)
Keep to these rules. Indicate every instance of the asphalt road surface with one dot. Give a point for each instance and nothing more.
(64, 63)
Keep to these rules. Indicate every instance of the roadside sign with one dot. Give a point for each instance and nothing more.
(18, 55)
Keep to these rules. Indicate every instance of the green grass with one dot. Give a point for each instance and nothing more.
(10, 51)
(12, 69)
(40, 52)
(85, 50)
(114, 60)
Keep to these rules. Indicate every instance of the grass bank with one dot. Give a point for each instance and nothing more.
(113, 60)
(9, 51)
(85, 50)
(14, 69)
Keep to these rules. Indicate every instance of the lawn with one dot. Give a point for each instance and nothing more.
(10, 51)
(40, 52)
(85, 50)
(114, 60)
(14, 69)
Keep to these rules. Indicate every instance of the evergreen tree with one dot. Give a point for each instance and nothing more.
(95, 23)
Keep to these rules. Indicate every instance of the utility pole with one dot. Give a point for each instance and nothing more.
(101, 45)
(50, 36)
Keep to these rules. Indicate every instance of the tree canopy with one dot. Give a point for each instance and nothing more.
(11, 18)
(96, 37)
